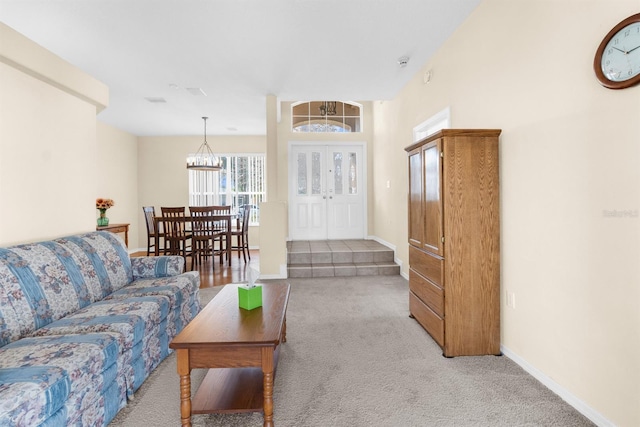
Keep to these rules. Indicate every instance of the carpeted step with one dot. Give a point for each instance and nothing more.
(329, 258)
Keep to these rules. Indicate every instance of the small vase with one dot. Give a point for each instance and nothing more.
(103, 220)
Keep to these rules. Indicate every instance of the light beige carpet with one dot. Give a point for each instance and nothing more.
(354, 358)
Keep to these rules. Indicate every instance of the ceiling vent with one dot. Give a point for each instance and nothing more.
(156, 100)
(196, 91)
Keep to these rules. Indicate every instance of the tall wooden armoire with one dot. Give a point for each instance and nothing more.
(454, 239)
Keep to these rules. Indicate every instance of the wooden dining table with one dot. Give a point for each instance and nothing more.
(158, 220)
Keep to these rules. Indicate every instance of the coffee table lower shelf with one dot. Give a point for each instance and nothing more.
(231, 390)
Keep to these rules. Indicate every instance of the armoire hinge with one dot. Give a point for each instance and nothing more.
(442, 239)
(442, 154)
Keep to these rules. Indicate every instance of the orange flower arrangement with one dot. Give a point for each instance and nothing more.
(104, 204)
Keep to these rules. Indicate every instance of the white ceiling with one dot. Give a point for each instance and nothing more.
(237, 52)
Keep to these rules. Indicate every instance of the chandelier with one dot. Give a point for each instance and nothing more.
(204, 159)
(327, 108)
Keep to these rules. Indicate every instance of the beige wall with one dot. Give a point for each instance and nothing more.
(162, 175)
(48, 165)
(570, 152)
(118, 161)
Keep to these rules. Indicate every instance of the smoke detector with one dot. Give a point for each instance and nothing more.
(402, 61)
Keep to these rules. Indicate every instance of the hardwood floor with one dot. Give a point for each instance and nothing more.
(225, 273)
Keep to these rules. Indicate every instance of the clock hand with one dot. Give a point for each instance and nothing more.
(619, 50)
(633, 49)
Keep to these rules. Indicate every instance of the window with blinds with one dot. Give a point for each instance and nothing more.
(240, 182)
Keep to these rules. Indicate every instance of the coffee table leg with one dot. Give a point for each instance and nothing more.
(184, 370)
(267, 384)
(284, 330)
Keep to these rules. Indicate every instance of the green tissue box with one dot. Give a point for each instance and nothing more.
(249, 298)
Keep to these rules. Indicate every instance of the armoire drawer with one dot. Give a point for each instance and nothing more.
(428, 292)
(429, 320)
(428, 265)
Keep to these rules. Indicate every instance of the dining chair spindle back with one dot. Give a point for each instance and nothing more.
(203, 233)
(153, 239)
(221, 240)
(177, 238)
(241, 234)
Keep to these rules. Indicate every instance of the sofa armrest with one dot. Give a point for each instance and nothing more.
(156, 266)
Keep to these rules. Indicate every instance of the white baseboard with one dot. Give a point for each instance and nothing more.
(382, 242)
(393, 248)
(571, 399)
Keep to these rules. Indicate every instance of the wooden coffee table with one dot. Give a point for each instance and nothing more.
(241, 345)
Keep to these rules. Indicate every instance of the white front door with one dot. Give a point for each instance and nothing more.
(327, 191)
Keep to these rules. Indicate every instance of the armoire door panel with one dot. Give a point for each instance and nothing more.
(416, 218)
(432, 167)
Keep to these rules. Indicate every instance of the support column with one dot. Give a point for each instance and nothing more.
(272, 148)
(273, 212)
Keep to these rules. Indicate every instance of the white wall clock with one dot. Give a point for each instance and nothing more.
(617, 60)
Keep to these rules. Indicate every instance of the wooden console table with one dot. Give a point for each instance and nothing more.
(117, 228)
(241, 349)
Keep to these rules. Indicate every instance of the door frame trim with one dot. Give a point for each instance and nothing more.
(365, 184)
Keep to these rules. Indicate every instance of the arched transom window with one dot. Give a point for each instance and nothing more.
(326, 116)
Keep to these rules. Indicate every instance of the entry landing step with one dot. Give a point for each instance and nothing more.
(330, 258)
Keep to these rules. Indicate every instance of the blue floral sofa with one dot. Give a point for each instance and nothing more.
(82, 325)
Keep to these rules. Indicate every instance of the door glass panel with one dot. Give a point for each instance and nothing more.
(353, 176)
(302, 173)
(337, 175)
(316, 184)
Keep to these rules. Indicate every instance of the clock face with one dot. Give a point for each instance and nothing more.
(621, 57)
(617, 62)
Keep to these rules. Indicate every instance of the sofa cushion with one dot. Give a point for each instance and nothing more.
(41, 282)
(131, 318)
(10, 329)
(37, 392)
(146, 356)
(182, 291)
(103, 259)
(138, 324)
(158, 266)
(89, 362)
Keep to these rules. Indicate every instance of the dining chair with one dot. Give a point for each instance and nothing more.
(153, 239)
(241, 234)
(203, 233)
(177, 238)
(221, 226)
